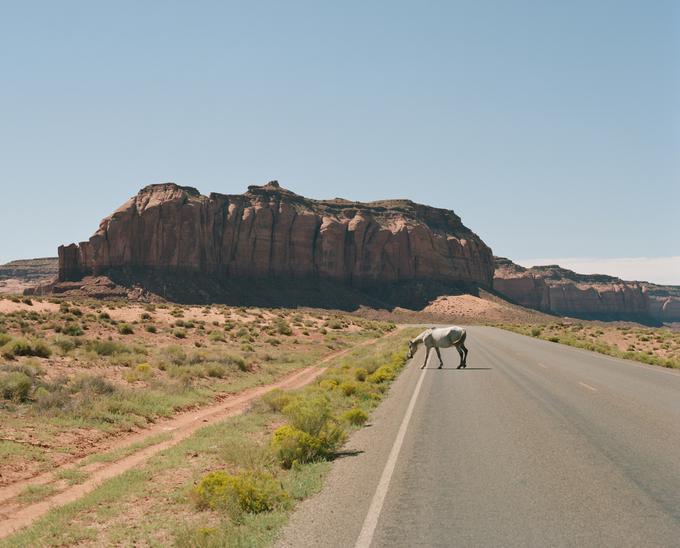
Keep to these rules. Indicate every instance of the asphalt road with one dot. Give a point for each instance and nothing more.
(534, 444)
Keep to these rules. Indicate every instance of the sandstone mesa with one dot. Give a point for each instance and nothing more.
(271, 232)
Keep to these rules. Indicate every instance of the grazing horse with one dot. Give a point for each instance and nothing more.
(442, 337)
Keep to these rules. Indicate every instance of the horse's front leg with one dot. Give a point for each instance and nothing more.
(439, 355)
(427, 354)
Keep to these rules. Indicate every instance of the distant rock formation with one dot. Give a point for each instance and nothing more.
(272, 233)
(16, 276)
(557, 290)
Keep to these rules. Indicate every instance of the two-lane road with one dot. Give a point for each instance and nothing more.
(534, 444)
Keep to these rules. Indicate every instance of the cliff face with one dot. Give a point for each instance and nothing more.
(561, 291)
(270, 232)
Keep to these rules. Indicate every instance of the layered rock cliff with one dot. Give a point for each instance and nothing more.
(558, 290)
(272, 233)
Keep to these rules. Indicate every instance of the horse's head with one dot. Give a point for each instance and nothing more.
(412, 347)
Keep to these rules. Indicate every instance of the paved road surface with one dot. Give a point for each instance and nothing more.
(534, 444)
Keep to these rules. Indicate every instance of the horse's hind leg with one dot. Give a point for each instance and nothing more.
(465, 356)
(439, 355)
(462, 357)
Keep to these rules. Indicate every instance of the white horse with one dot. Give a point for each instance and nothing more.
(442, 337)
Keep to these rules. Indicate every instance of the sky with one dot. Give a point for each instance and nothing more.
(551, 128)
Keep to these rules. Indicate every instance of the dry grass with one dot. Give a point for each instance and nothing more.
(648, 345)
(75, 374)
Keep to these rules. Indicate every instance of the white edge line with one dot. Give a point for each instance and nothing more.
(371, 521)
(584, 385)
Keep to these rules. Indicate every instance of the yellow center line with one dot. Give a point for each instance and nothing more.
(584, 385)
(543, 365)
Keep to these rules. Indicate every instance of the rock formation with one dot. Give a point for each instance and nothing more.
(16, 276)
(273, 233)
(558, 290)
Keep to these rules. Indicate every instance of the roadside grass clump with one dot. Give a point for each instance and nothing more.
(125, 329)
(72, 329)
(277, 399)
(36, 493)
(106, 348)
(384, 373)
(15, 386)
(245, 492)
(283, 327)
(312, 434)
(4, 339)
(293, 446)
(23, 347)
(72, 476)
(355, 416)
(348, 388)
(141, 372)
(66, 344)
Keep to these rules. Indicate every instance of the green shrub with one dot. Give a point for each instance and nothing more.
(180, 334)
(215, 370)
(216, 336)
(335, 323)
(125, 329)
(90, 384)
(355, 416)
(360, 374)
(106, 348)
(282, 327)
(384, 373)
(65, 344)
(292, 445)
(151, 329)
(348, 388)
(4, 339)
(72, 329)
(15, 386)
(251, 492)
(535, 331)
(309, 413)
(277, 399)
(328, 384)
(22, 347)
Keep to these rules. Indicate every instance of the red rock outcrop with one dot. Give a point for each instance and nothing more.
(270, 232)
(558, 290)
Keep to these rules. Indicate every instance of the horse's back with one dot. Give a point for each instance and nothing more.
(445, 336)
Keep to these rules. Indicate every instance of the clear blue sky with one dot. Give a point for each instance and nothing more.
(552, 128)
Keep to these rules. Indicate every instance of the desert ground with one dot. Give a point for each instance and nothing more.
(119, 416)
